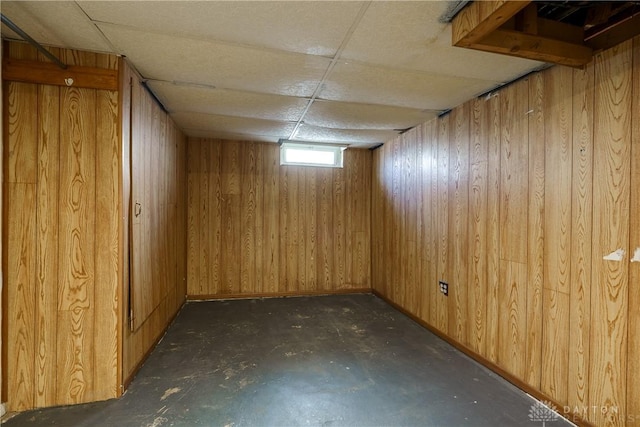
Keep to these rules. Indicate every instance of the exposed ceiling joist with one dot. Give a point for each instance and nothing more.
(567, 33)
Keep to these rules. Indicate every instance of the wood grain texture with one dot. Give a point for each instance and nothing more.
(409, 230)
(271, 206)
(512, 292)
(558, 171)
(478, 191)
(555, 352)
(20, 121)
(107, 269)
(459, 223)
(59, 157)
(514, 183)
(48, 73)
(162, 179)
(248, 226)
(154, 147)
(552, 181)
(429, 253)
(442, 206)
(536, 236)
(395, 244)
(512, 329)
(633, 355)
(283, 229)
(76, 244)
(20, 279)
(492, 134)
(309, 233)
(611, 193)
(581, 208)
(47, 241)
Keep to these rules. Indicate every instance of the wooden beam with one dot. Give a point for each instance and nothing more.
(515, 43)
(615, 34)
(481, 18)
(560, 31)
(50, 74)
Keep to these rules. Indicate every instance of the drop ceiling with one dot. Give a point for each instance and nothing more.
(346, 71)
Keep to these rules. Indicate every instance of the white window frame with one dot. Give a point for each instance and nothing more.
(337, 150)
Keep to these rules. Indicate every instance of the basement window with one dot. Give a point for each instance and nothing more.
(308, 154)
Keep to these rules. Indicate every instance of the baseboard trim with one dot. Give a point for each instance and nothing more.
(134, 372)
(212, 297)
(483, 361)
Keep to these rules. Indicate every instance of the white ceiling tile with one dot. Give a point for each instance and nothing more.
(355, 82)
(236, 125)
(184, 98)
(347, 115)
(198, 133)
(54, 23)
(162, 57)
(407, 35)
(313, 27)
(349, 136)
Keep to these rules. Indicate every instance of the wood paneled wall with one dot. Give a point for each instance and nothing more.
(67, 194)
(61, 257)
(154, 177)
(258, 228)
(514, 199)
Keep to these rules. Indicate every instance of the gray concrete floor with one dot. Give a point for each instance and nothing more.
(319, 361)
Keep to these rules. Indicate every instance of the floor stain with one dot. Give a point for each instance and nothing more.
(158, 422)
(168, 392)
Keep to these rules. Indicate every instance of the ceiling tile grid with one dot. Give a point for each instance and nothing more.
(181, 97)
(344, 71)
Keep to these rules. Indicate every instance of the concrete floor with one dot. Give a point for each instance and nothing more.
(320, 361)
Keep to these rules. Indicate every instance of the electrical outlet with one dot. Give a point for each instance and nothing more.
(444, 288)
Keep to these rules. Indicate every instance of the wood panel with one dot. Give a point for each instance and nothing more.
(428, 191)
(512, 292)
(536, 236)
(284, 229)
(20, 280)
(492, 134)
(611, 193)
(158, 165)
(513, 182)
(271, 207)
(70, 158)
(552, 188)
(20, 122)
(558, 85)
(581, 208)
(248, 229)
(76, 244)
(442, 215)
(154, 172)
(633, 356)
(478, 191)
(458, 235)
(107, 265)
(47, 241)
